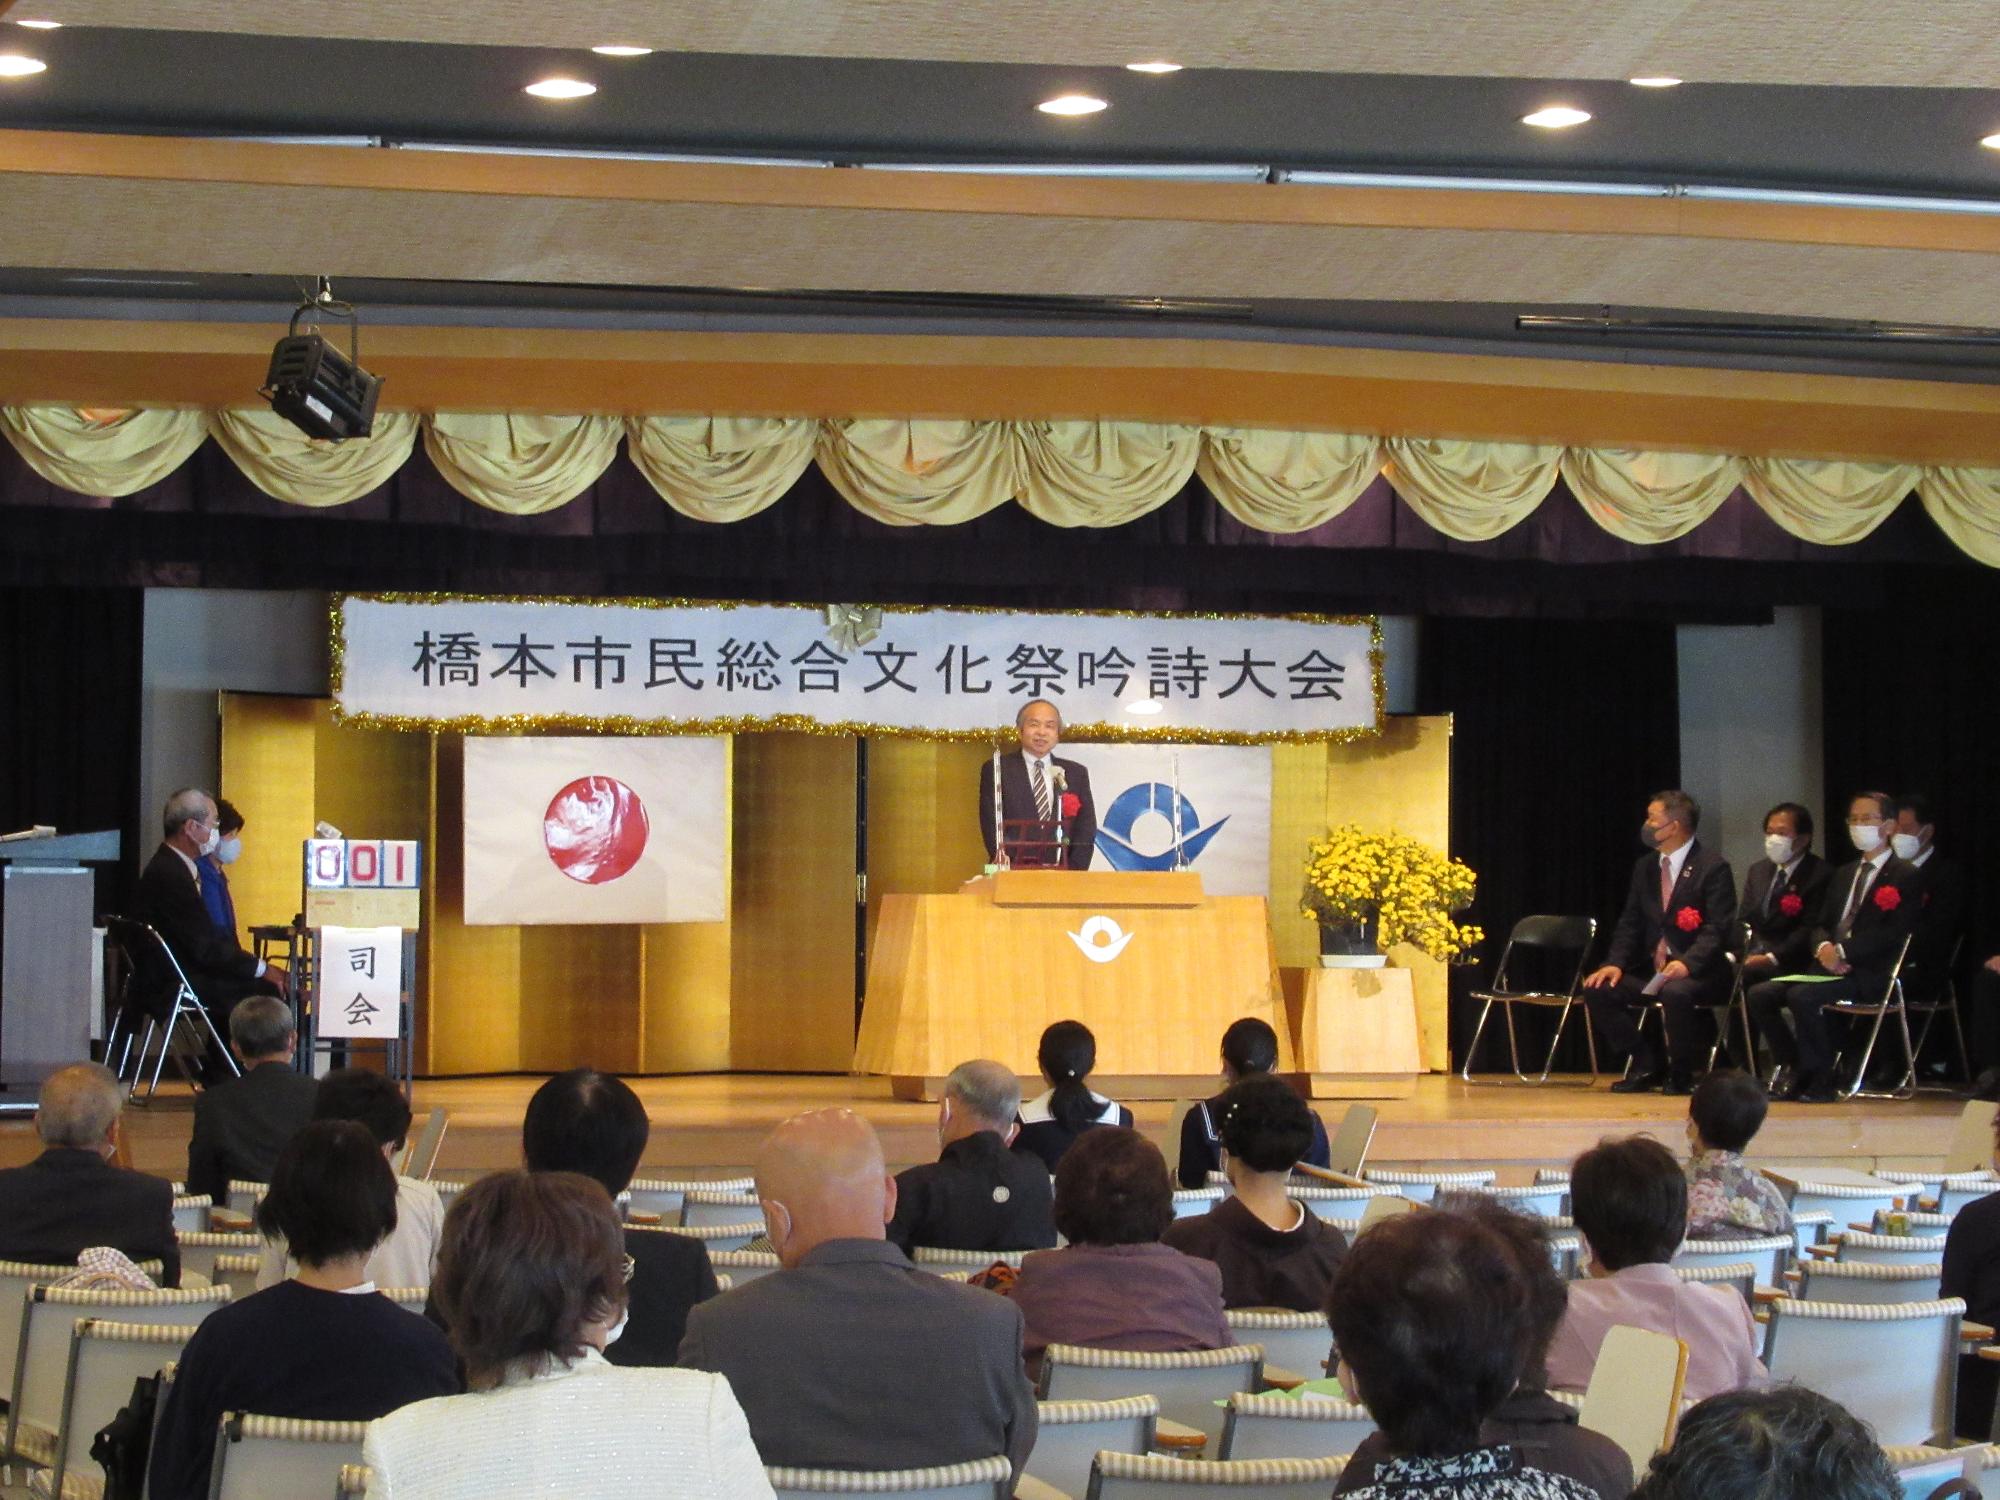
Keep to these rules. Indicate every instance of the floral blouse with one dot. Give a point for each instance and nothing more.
(1493, 1473)
(1728, 1199)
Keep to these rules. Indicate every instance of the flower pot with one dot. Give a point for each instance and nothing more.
(1349, 945)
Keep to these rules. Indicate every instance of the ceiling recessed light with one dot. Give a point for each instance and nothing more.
(1556, 117)
(1153, 67)
(562, 88)
(1990, 142)
(622, 51)
(14, 65)
(1656, 81)
(41, 25)
(1072, 104)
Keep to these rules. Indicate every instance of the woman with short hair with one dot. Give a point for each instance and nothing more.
(1052, 1122)
(1249, 1050)
(1727, 1198)
(1114, 1285)
(532, 1283)
(323, 1344)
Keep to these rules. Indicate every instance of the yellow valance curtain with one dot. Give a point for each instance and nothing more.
(1067, 473)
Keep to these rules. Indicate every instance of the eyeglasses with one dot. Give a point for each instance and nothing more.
(630, 1266)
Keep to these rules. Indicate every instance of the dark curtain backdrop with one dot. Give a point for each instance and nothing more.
(69, 715)
(1560, 734)
(1909, 706)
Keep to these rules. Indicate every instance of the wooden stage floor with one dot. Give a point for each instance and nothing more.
(709, 1125)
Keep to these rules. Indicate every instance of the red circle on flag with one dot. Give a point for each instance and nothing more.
(595, 829)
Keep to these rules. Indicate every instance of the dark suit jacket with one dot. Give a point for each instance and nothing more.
(65, 1201)
(1707, 889)
(1878, 925)
(241, 1126)
(977, 1195)
(1017, 801)
(1785, 935)
(856, 1359)
(171, 901)
(670, 1275)
(1940, 920)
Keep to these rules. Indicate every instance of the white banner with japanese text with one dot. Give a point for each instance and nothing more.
(642, 667)
(360, 982)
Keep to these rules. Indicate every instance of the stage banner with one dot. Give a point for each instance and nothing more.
(595, 829)
(1225, 811)
(677, 667)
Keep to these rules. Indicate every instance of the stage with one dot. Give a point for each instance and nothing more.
(709, 1124)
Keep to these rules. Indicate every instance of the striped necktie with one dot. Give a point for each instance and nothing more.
(1041, 793)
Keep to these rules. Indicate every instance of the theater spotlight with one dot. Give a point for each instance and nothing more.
(311, 384)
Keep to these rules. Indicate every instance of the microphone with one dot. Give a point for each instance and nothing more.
(1058, 784)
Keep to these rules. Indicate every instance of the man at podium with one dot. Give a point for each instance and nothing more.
(1046, 816)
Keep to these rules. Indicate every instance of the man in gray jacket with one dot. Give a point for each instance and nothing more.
(850, 1357)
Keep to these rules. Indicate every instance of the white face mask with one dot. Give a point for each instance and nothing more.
(1906, 845)
(1867, 836)
(612, 1334)
(1777, 849)
(229, 851)
(213, 838)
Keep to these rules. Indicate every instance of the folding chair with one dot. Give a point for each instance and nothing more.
(105, 1358)
(258, 1457)
(701, 1207)
(1296, 1341)
(1894, 1366)
(1889, 1249)
(1541, 1200)
(420, 1156)
(1551, 935)
(191, 1211)
(981, 1479)
(1634, 1395)
(1328, 1202)
(1945, 999)
(156, 987)
(1891, 1003)
(1188, 1384)
(1812, 1227)
(1071, 1433)
(1960, 1189)
(199, 1251)
(1378, 1209)
(1769, 1255)
(1347, 1150)
(1864, 1281)
(714, 1236)
(1191, 1203)
(1422, 1187)
(353, 1482)
(1280, 1426)
(1653, 1009)
(1845, 1202)
(1127, 1476)
(1742, 1276)
(237, 1272)
(742, 1266)
(1736, 1008)
(663, 1196)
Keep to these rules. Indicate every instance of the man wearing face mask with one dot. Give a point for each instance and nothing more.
(977, 1195)
(1871, 906)
(170, 898)
(1668, 945)
(1940, 903)
(1782, 895)
(214, 882)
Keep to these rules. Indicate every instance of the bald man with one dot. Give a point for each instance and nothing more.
(849, 1357)
(71, 1197)
(978, 1195)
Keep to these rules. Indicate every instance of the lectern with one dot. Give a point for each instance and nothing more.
(47, 917)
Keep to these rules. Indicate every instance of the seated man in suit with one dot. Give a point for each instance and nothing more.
(977, 1195)
(170, 899)
(1668, 944)
(1940, 899)
(240, 1126)
(1040, 789)
(1870, 908)
(590, 1122)
(214, 883)
(1782, 895)
(71, 1197)
(850, 1357)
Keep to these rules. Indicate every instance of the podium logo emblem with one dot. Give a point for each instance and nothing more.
(1100, 939)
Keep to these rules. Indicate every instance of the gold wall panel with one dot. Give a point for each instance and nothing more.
(267, 771)
(923, 818)
(579, 997)
(472, 984)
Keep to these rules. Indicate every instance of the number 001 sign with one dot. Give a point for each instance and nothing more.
(363, 883)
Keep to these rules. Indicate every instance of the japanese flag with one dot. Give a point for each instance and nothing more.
(596, 830)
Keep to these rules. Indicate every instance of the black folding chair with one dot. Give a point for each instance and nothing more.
(1552, 935)
(155, 989)
(1891, 1004)
(1943, 998)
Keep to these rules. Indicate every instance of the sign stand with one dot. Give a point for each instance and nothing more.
(363, 908)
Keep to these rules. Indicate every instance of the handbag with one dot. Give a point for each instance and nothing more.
(126, 1442)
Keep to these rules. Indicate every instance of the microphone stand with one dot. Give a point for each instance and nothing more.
(1058, 785)
(1180, 847)
(999, 826)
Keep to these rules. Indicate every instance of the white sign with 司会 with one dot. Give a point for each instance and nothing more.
(360, 982)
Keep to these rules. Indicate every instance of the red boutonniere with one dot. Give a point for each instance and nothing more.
(1886, 898)
(1687, 919)
(1791, 903)
(1071, 804)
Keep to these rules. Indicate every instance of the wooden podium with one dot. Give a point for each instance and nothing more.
(980, 973)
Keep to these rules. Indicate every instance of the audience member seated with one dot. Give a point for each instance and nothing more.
(241, 1125)
(1630, 1201)
(407, 1256)
(1787, 1443)
(1972, 1271)
(1249, 1050)
(324, 1345)
(849, 1357)
(210, 872)
(532, 1284)
(1782, 896)
(1272, 1251)
(978, 1195)
(1541, 1430)
(1727, 1198)
(1435, 1325)
(1114, 1285)
(592, 1123)
(71, 1197)
(1871, 906)
(1051, 1122)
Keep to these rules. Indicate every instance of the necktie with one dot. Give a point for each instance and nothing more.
(1666, 900)
(1863, 878)
(1041, 793)
(1776, 887)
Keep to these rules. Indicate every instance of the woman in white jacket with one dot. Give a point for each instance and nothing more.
(531, 1282)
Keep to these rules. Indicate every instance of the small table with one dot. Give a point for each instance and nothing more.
(1358, 1034)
